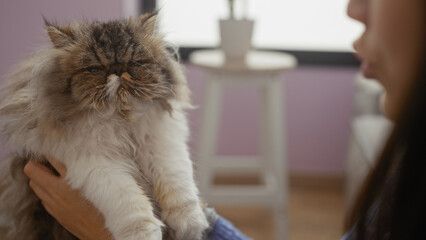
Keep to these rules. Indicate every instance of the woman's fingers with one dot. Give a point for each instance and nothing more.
(38, 190)
(39, 173)
(60, 167)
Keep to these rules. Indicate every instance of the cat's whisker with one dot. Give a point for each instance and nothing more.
(148, 70)
(137, 93)
(143, 93)
(147, 51)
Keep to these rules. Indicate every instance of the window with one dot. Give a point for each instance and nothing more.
(301, 25)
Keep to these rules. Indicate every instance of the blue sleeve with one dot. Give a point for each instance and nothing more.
(225, 230)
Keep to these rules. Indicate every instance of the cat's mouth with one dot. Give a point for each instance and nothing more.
(119, 89)
(116, 86)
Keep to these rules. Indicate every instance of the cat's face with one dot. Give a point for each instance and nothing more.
(111, 65)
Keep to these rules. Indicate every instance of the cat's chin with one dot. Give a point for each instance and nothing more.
(129, 109)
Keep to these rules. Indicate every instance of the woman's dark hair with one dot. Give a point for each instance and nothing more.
(392, 204)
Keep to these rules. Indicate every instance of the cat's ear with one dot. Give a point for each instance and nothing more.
(148, 23)
(60, 36)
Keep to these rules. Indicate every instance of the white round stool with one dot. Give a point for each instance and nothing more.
(264, 70)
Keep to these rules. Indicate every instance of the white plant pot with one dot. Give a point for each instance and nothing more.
(236, 36)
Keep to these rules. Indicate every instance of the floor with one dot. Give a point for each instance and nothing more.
(316, 211)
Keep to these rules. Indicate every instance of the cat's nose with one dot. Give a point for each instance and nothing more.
(117, 70)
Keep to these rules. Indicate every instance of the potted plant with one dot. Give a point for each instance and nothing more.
(236, 34)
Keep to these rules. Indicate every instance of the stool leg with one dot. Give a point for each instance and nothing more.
(274, 148)
(209, 132)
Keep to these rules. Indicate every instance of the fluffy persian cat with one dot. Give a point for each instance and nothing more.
(107, 100)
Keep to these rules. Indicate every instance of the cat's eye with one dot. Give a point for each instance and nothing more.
(135, 64)
(93, 69)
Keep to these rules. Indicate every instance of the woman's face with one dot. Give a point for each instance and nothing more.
(392, 45)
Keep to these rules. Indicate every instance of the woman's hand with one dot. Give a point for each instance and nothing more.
(66, 205)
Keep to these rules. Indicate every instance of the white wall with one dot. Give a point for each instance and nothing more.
(282, 24)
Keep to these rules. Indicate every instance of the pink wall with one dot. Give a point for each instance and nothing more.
(318, 100)
(21, 22)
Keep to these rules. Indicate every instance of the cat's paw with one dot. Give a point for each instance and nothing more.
(143, 229)
(155, 234)
(187, 223)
